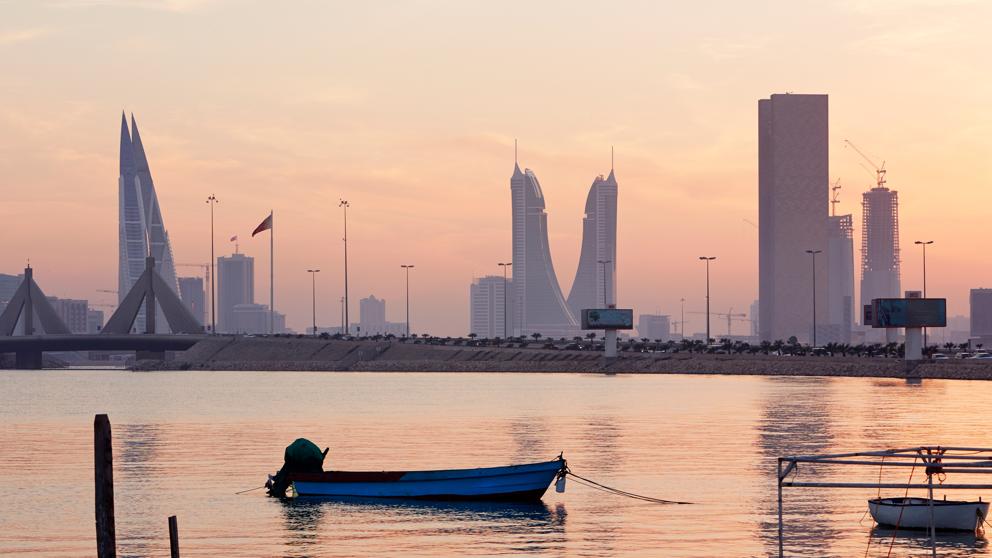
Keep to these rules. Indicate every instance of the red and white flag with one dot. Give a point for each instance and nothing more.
(263, 226)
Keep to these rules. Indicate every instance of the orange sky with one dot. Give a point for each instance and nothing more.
(409, 110)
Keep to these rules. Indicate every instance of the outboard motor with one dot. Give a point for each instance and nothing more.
(302, 456)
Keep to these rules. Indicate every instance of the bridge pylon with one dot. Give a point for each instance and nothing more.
(28, 303)
(150, 289)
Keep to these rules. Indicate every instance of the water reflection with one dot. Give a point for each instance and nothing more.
(796, 419)
(908, 542)
(527, 528)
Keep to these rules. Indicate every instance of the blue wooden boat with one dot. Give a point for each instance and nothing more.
(514, 483)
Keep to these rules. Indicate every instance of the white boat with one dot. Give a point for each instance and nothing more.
(914, 513)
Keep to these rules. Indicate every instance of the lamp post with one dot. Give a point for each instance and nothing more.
(212, 201)
(707, 259)
(924, 245)
(813, 253)
(606, 301)
(407, 268)
(505, 319)
(313, 279)
(682, 322)
(345, 205)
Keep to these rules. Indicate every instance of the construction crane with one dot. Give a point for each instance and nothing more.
(879, 170)
(729, 315)
(834, 198)
(106, 291)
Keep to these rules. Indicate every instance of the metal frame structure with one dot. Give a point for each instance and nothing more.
(936, 460)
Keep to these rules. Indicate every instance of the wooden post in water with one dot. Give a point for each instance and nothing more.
(103, 475)
(781, 534)
(933, 526)
(173, 537)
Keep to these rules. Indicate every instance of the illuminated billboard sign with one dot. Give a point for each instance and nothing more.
(608, 318)
(909, 312)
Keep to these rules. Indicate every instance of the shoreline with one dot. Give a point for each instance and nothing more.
(318, 355)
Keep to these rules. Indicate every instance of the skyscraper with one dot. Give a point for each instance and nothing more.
(372, 315)
(486, 307)
(838, 316)
(980, 305)
(141, 229)
(193, 296)
(235, 286)
(879, 245)
(595, 283)
(539, 304)
(792, 205)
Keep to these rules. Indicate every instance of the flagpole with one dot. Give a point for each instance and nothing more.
(272, 275)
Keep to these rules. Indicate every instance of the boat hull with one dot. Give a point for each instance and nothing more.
(515, 483)
(914, 513)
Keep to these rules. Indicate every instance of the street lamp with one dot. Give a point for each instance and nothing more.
(313, 279)
(813, 253)
(606, 301)
(707, 259)
(682, 322)
(345, 205)
(924, 245)
(407, 268)
(212, 200)
(505, 326)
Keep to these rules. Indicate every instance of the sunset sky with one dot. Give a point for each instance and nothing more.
(409, 110)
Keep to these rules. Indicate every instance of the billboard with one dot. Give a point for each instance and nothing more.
(608, 318)
(909, 312)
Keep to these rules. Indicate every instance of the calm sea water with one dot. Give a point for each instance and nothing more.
(185, 442)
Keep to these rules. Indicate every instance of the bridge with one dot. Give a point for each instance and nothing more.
(28, 349)
(30, 305)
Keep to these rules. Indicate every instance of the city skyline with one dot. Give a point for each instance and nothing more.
(684, 133)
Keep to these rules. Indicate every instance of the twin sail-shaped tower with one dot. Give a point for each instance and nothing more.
(538, 303)
(141, 229)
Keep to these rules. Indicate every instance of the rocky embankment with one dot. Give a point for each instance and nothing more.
(264, 353)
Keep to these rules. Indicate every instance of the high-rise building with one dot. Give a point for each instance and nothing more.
(539, 306)
(8, 286)
(193, 296)
(879, 246)
(793, 186)
(73, 313)
(838, 316)
(94, 321)
(656, 327)
(141, 228)
(595, 283)
(372, 316)
(490, 315)
(235, 286)
(981, 316)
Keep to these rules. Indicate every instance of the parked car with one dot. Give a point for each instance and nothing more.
(981, 356)
(939, 356)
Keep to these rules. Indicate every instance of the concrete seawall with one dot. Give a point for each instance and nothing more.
(309, 354)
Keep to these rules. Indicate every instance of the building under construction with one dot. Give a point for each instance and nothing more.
(835, 325)
(879, 245)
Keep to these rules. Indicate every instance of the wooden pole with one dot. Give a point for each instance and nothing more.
(781, 535)
(103, 475)
(173, 537)
(933, 526)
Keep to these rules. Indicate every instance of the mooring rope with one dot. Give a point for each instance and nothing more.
(616, 491)
(250, 490)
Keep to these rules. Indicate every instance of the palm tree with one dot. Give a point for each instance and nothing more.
(535, 335)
